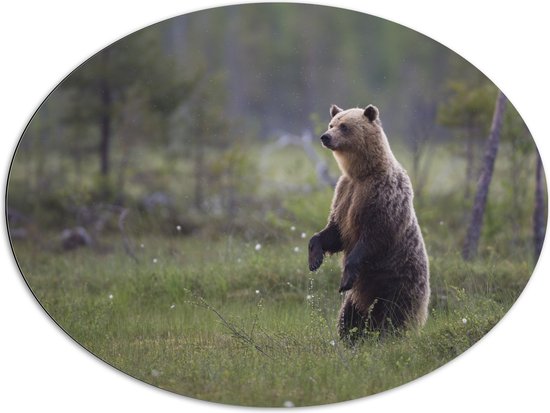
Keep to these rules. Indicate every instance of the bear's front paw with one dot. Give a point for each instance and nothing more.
(348, 277)
(315, 253)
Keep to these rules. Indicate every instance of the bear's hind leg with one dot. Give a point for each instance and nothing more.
(350, 322)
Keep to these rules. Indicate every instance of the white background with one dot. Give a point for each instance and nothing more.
(42, 368)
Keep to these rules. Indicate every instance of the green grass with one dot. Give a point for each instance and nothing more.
(224, 322)
(209, 316)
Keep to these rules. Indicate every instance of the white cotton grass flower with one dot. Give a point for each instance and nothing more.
(110, 296)
(141, 246)
(155, 260)
(293, 228)
(303, 235)
(464, 321)
(257, 291)
(258, 247)
(332, 343)
(288, 403)
(309, 297)
(173, 306)
(178, 228)
(296, 249)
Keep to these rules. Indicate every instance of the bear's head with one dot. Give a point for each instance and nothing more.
(358, 142)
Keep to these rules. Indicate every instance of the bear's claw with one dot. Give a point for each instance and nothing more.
(315, 253)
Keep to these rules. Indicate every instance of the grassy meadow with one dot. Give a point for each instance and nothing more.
(231, 314)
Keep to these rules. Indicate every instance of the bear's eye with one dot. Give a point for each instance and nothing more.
(344, 127)
(330, 126)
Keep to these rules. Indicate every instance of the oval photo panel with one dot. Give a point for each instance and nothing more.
(221, 205)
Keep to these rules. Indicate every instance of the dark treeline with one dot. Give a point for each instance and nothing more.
(163, 115)
(277, 65)
(281, 63)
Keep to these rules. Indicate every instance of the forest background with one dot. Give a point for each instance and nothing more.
(207, 98)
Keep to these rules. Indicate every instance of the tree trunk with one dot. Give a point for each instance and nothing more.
(199, 177)
(105, 96)
(469, 164)
(539, 222)
(476, 221)
(105, 126)
(233, 57)
(415, 161)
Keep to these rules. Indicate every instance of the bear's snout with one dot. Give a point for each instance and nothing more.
(326, 140)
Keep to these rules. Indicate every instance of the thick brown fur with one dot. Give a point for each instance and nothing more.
(372, 221)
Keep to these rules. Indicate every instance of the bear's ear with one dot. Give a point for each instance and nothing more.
(334, 110)
(371, 112)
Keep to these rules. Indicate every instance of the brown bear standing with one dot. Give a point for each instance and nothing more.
(372, 220)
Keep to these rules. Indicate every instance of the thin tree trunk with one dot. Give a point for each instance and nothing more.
(105, 117)
(469, 164)
(233, 56)
(539, 223)
(476, 221)
(416, 161)
(199, 175)
(41, 177)
(105, 122)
